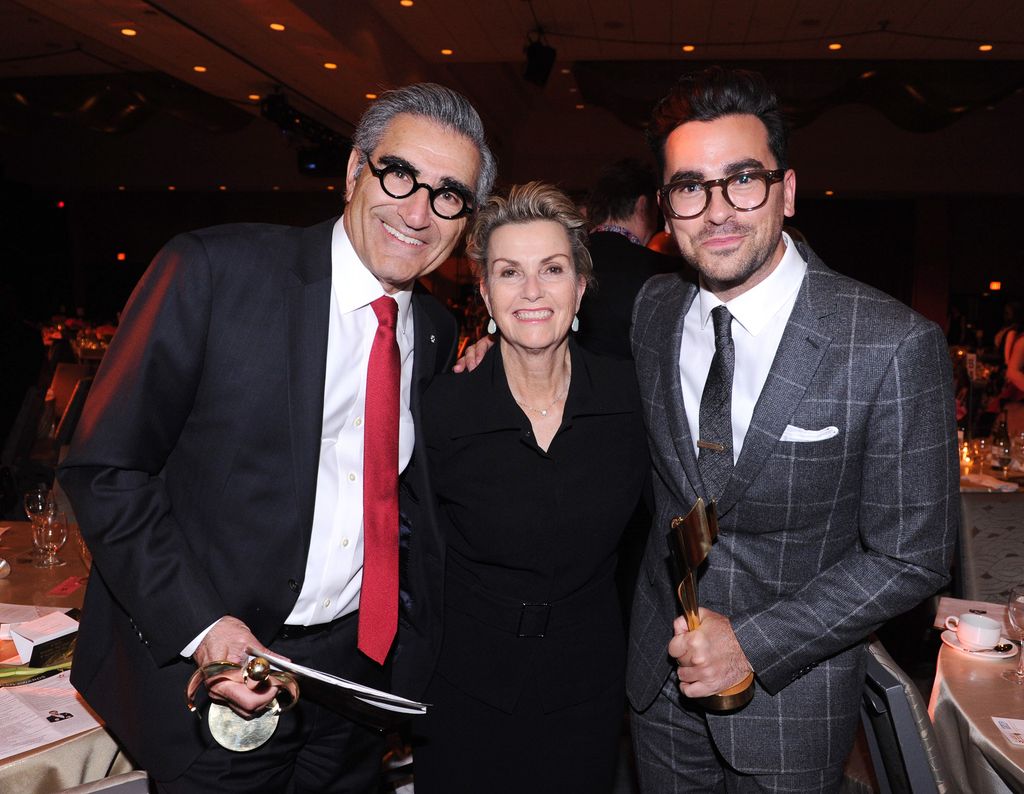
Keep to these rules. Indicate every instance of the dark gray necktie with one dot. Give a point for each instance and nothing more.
(714, 458)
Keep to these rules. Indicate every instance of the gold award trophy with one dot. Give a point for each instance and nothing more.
(691, 538)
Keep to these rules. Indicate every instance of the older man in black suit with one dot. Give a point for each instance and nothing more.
(235, 472)
(818, 413)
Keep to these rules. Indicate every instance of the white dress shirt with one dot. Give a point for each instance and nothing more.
(334, 566)
(759, 317)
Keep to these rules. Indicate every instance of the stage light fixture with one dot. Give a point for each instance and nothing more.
(539, 59)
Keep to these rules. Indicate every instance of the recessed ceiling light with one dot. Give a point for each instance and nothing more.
(129, 32)
(566, 71)
(121, 256)
(199, 69)
(254, 97)
(830, 193)
(276, 26)
(572, 90)
(580, 107)
(370, 96)
(446, 51)
(222, 187)
(835, 45)
(406, 3)
(276, 187)
(121, 187)
(984, 48)
(171, 187)
(329, 65)
(330, 187)
(688, 48)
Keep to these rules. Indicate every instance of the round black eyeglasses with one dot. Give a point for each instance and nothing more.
(446, 202)
(745, 191)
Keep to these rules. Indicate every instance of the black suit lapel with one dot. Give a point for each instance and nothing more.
(308, 308)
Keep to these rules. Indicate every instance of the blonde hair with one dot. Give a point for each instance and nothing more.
(534, 201)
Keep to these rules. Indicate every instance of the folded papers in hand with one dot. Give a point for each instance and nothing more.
(46, 641)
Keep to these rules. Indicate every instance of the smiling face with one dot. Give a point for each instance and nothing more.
(531, 288)
(732, 250)
(399, 240)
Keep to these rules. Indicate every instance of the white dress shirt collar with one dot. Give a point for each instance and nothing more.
(754, 308)
(353, 284)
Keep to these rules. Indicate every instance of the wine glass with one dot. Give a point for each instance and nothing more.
(1015, 615)
(37, 502)
(49, 534)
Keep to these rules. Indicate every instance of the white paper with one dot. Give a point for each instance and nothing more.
(368, 695)
(49, 627)
(1012, 730)
(958, 606)
(22, 613)
(44, 711)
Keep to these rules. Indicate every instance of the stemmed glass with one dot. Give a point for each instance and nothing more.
(49, 534)
(1015, 614)
(37, 503)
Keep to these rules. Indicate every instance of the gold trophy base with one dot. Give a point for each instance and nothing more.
(736, 696)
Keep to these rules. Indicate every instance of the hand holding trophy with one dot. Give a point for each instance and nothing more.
(691, 538)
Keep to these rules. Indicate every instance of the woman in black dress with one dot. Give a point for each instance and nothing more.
(538, 457)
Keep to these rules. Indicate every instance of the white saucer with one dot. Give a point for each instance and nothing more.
(950, 638)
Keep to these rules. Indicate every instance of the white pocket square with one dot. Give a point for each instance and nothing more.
(793, 433)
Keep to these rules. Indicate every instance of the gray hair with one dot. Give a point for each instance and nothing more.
(439, 104)
(534, 201)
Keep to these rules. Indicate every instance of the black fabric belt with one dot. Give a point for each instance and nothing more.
(527, 619)
(289, 632)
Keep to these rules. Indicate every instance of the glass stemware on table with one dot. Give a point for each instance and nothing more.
(1015, 617)
(37, 502)
(48, 535)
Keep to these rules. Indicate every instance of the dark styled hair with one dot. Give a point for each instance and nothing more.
(618, 187)
(439, 104)
(712, 93)
(534, 201)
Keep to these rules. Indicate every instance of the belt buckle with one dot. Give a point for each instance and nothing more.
(533, 620)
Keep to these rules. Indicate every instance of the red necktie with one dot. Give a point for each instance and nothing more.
(378, 601)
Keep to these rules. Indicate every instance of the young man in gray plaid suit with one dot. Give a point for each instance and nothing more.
(836, 488)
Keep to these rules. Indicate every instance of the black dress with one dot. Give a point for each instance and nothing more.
(528, 692)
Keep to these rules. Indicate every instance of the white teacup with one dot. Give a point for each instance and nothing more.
(976, 632)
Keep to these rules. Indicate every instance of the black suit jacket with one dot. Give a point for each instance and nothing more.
(621, 268)
(193, 469)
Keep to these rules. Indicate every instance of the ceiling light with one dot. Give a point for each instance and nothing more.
(688, 48)
(995, 286)
(830, 193)
(121, 187)
(129, 32)
(566, 71)
(984, 48)
(276, 26)
(835, 45)
(406, 3)
(171, 187)
(329, 65)
(370, 96)
(121, 256)
(330, 187)
(199, 69)
(254, 97)
(580, 107)
(222, 187)
(447, 51)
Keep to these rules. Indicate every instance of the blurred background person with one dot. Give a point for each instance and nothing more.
(623, 209)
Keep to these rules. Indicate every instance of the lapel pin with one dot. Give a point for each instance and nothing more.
(433, 339)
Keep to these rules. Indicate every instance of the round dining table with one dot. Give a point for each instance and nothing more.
(968, 692)
(83, 757)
